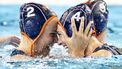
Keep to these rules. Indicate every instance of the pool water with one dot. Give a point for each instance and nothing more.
(9, 25)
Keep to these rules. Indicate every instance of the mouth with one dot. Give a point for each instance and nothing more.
(63, 45)
(48, 45)
(45, 50)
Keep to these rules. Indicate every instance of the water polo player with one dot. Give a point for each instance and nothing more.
(95, 47)
(38, 30)
(76, 29)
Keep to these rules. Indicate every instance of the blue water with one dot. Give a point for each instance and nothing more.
(9, 25)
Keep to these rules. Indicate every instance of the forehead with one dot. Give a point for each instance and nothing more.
(60, 29)
(51, 27)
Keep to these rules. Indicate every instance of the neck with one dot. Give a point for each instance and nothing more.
(77, 54)
(40, 48)
(25, 45)
(93, 44)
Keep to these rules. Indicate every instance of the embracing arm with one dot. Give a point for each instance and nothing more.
(9, 40)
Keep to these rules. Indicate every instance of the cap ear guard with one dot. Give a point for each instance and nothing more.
(77, 12)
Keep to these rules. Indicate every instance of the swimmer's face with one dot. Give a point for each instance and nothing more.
(61, 36)
(48, 37)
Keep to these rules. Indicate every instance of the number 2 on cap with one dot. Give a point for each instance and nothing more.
(30, 11)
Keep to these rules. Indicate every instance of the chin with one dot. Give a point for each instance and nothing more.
(45, 51)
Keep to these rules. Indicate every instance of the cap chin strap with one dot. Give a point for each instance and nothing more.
(94, 31)
(31, 52)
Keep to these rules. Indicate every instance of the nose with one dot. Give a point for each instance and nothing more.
(59, 42)
(55, 39)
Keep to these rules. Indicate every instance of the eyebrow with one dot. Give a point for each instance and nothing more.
(53, 32)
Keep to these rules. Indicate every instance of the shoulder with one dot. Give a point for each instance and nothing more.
(106, 50)
(101, 53)
(20, 58)
(19, 55)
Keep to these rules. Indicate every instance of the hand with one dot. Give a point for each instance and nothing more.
(13, 40)
(80, 39)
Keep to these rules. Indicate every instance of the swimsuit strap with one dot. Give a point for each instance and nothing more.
(16, 52)
(114, 50)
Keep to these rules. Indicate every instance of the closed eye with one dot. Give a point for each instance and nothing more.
(53, 34)
(58, 34)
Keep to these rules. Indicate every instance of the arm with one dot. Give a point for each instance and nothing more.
(10, 40)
